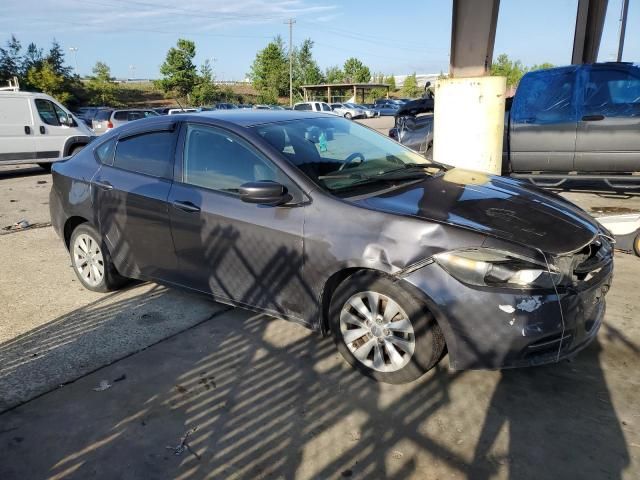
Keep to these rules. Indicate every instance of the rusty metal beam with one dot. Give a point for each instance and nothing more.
(589, 24)
(473, 33)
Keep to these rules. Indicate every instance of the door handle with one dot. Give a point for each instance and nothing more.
(186, 206)
(42, 129)
(103, 184)
(27, 129)
(592, 118)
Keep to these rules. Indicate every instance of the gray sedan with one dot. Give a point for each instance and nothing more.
(324, 222)
(347, 111)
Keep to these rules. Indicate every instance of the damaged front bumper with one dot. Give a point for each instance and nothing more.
(502, 328)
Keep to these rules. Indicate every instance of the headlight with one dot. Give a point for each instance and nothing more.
(486, 267)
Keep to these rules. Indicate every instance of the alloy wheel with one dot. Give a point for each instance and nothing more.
(88, 259)
(377, 331)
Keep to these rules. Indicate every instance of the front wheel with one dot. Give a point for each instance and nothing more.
(384, 331)
(347, 116)
(91, 260)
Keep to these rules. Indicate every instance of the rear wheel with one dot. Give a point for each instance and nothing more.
(384, 331)
(636, 245)
(91, 260)
(347, 116)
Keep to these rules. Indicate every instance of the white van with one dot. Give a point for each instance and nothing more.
(35, 128)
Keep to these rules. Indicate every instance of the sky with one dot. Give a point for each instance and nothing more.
(133, 36)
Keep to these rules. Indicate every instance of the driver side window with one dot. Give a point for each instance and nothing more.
(219, 160)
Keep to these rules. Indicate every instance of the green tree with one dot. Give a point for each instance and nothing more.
(391, 81)
(45, 78)
(55, 57)
(355, 71)
(32, 58)
(270, 72)
(505, 67)
(305, 69)
(542, 66)
(334, 75)
(410, 86)
(205, 91)
(102, 89)
(10, 59)
(179, 73)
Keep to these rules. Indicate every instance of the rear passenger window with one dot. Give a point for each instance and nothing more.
(613, 92)
(105, 152)
(149, 153)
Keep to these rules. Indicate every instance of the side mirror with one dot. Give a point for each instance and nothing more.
(264, 192)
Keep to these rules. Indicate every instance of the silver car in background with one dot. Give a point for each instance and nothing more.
(368, 112)
(347, 111)
(106, 120)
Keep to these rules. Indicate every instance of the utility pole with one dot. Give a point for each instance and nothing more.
(623, 28)
(74, 50)
(291, 21)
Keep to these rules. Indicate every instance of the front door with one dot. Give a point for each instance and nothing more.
(131, 195)
(609, 129)
(247, 253)
(542, 133)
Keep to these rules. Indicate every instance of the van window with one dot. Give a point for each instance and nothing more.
(121, 116)
(326, 108)
(47, 112)
(103, 115)
(105, 152)
(15, 111)
(149, 153)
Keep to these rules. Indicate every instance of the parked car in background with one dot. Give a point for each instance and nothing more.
(367, 111)
(163, 110)
(261, 107)
(106, 120)
(36, 128)
(177, 111)
(225, 106)
(347, 111)
(387, 109)
(314, 107)
(87, 114)
(345, 232)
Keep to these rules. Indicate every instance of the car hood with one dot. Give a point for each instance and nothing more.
(501, 207)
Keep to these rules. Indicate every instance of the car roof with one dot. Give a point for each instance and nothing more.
(242, 117)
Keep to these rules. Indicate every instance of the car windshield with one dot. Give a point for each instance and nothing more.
(338, 154)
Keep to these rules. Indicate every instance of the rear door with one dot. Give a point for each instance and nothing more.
(609, 129)
(131, 192)
(100, 122)
(542, 134)
(16, 129)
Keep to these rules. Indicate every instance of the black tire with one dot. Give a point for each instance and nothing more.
(75, 149)
(45, 166)
(347, 116)
(636, 245)
(427, 336)
(111, 279)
